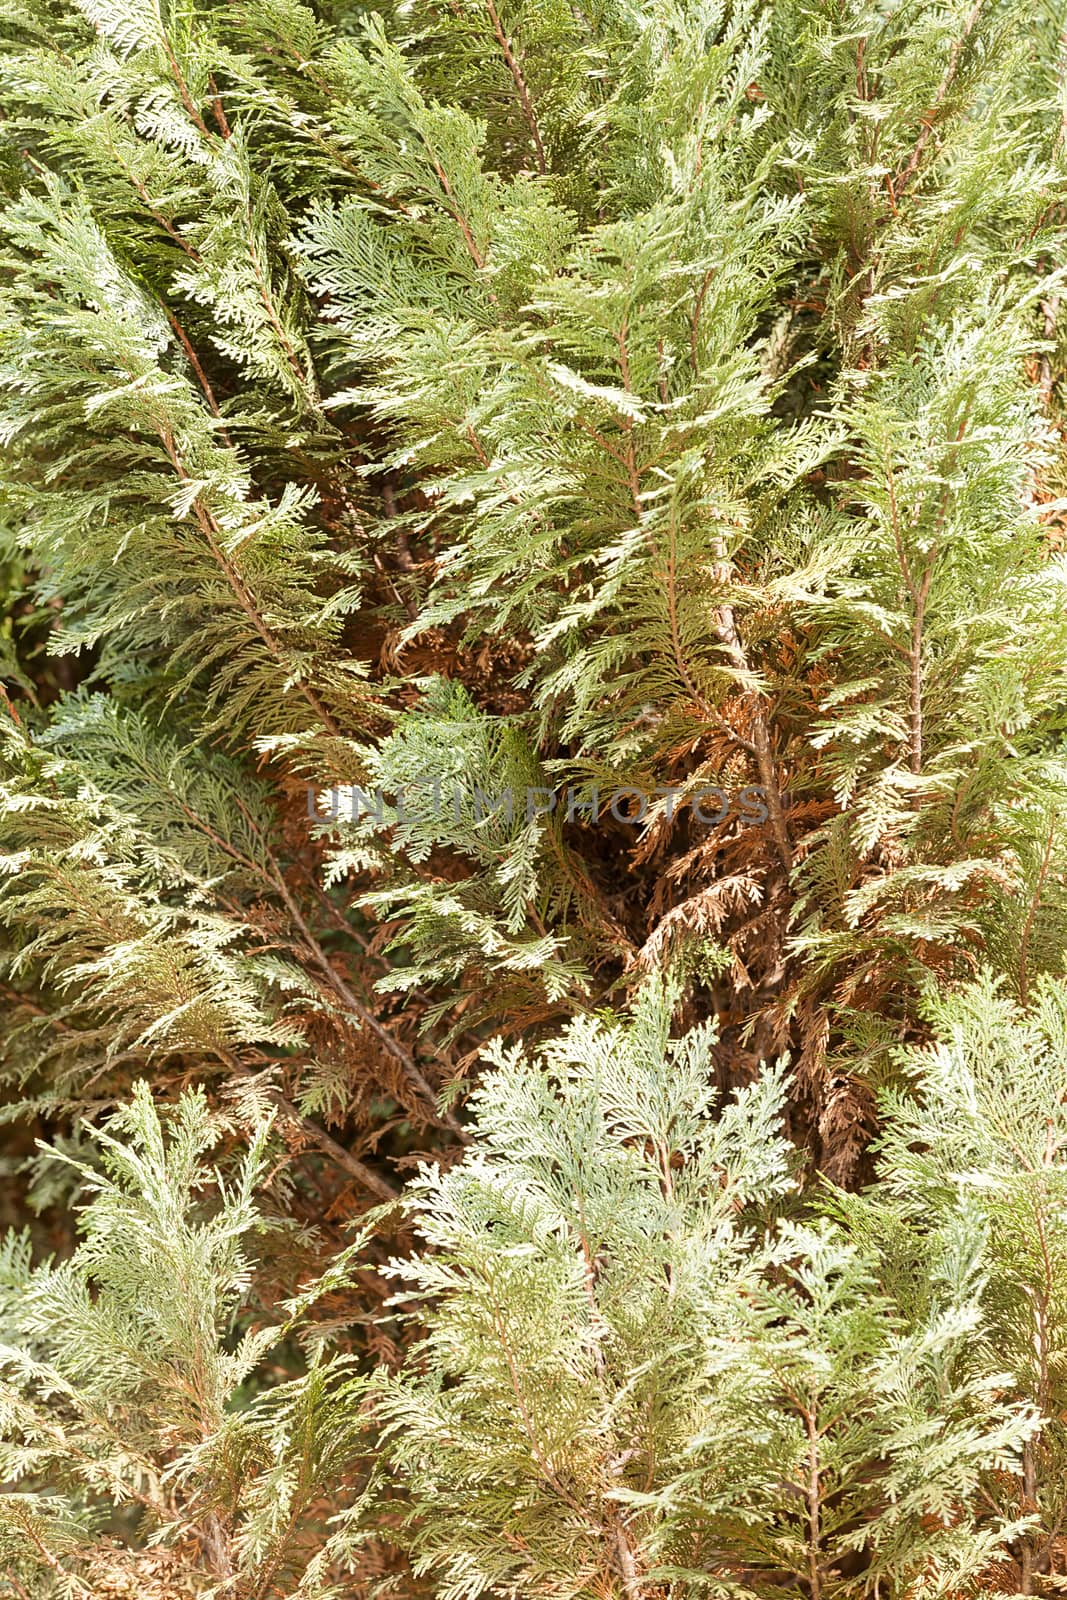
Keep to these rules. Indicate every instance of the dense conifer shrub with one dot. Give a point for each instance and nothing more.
(532, 915)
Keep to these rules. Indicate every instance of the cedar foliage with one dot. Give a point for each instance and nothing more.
(561, 400)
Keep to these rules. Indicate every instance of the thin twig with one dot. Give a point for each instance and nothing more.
(521, 88)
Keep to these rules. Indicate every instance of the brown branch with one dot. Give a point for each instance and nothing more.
(220, 115)
(318, 1136)
(183, 90)
(301, 375)
(194, 362)
(364, 1175)
(915, 714)
(586, 426)
(862, 92)
(274, 878)
(266, 1583)
(456, 214)
(521, 88)
(631, 1583)
(729, 638)
(366, 1017)
(157, 216)
(760, 744)
(930, 119)
(47, 1556)
(9, 703)
(213, 538)
(814, 1528)
(694, 320)
(620, 1545)
(1035, 901)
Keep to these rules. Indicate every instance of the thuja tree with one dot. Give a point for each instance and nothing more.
(650, 1372)
(649, 1367)
(134, 1395)
(658, 397)
(443, 402)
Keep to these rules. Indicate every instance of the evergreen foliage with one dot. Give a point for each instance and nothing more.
(406, 407)
(124, 1385)
(651, 1364)
(638, 1381)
